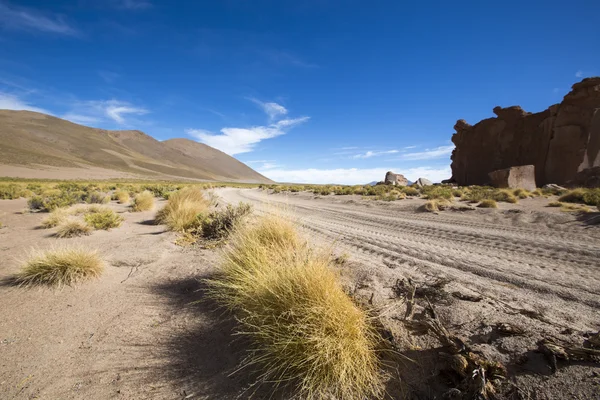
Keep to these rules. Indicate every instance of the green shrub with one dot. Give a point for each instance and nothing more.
(12, 191)
(103, 219)
(97, 198)
(591, 197)
(410, 191)
(52, 199)
(437, 192)
(218, 224)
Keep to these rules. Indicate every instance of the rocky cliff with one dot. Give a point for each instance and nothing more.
(562, 142)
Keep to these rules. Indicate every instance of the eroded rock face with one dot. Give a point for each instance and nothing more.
(522, 177)
(395, 179)
(423, 182)
(562, 142)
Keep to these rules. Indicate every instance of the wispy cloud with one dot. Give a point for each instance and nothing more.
(112, 110)
(273, 110)
(352, 176)
(109, 76)
(12, 102)
(243, 140)
(284, 58)
(579, 74)
(429, 154)
(370, 154)
(27, 19)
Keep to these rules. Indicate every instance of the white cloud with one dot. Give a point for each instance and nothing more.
(353, 176)
(370, 154)
(12, 102)
(273, 110)
(410, 147)
(19, 18)
(108, 76)
(95, 111)
(579, 74)
(242, 140)
(80, 119)
(429, 154)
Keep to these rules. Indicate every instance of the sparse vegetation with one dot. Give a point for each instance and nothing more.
(570, 207)
(219, 224)
(521, 193)
(143, 201)
(476, 194)
(122, 196)
(488, 203)
(12, 191)
(436, 205)
(56, 217)
(60, 266)
(182, 209)
(97, 198)
(72, 227)
(591, 197)
(104, 218)
(305, 330)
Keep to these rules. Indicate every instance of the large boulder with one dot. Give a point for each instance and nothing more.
(522, 177)
(423, 182)
(395, 179)
(562, 142)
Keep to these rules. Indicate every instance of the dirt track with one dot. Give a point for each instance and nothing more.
(139, 331)
(534, 268)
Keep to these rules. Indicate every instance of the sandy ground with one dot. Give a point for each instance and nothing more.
(139, 333)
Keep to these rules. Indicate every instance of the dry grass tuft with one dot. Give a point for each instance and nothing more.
(103, 219)
(306, 332)
(143, 201)
(72, 228)
(436, 205)
(56, 217)
(569, 207)
(182, 209)
(60, 266)
(122, 196)
(488, 203)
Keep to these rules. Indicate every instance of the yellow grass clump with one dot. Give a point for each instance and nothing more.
(60, 266)
(56, 217)
(306, 332)
(182, 209)
(436, 205)
(103, 219)
(72, 228)
(122, 196)
(143, 201)
(488, 203)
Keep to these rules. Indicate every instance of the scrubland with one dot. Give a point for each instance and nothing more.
(180, 290)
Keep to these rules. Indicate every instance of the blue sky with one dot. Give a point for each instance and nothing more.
(318, 91)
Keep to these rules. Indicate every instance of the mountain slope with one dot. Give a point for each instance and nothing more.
(34, 140)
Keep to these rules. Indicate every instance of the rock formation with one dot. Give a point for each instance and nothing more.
(522, 177)
(562, 142)
(395, 179)
(423, 182)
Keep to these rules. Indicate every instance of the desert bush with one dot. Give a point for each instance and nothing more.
(12, 191)
(182, 209)
(475, 194)
(435, 205)
(60, 266)
(305, 331)
(437, 192)
(410, 191)
(35, 188)
(277, 189)
(122, 196)
(56, 217)
(521, 193)
(143, 201)
(97, 198)
(488, 203)
(72, 227)
(161, 190)
(56, 198)
(590, 197)
(569, 207)
(219, 224)
(457, 192)
(103, 219)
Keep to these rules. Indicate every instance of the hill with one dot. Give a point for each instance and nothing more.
(38, 145)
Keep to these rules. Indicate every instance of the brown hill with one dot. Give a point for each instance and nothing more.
(34, 144)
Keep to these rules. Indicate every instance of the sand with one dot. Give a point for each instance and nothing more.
(138, 332)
